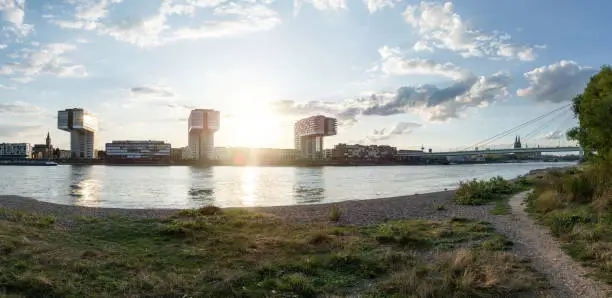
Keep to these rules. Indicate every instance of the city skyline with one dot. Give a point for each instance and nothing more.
(403, 73)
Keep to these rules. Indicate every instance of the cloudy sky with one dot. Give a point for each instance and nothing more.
(406, 73)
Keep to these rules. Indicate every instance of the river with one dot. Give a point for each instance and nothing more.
(189, 187)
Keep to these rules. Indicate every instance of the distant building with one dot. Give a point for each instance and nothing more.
(241, 155)
(43, 151)
(309, 133)
(82, 125)
(202, 125)
(328, 153)
(64, 154)
(138, 152)
(517, 142)
(363, 152)
(15, 150)
(409, 154)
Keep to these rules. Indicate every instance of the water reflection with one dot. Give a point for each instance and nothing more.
(309, 188)
(84, 188)
(249, 183)
(201, 190)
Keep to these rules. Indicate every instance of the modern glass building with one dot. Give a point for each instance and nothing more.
(202, 125)
(82, 125)
(309, 133)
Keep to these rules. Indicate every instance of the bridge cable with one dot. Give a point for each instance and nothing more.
(508, 131)
(515, 130)
(540, 128)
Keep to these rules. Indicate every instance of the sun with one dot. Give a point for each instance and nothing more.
(256, 126)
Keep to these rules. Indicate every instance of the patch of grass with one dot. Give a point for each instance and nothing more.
(235, 253)
(464, 273)
(497, 242)
(420, 234)
(335, 213)
(501, 207)
(439, 207)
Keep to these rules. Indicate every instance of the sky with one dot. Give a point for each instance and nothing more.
(443, 75)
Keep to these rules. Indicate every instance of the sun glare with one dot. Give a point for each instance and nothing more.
(256, 126)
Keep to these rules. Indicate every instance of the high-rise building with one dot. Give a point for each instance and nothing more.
(203, 123)
(82, 126)
(309, 133)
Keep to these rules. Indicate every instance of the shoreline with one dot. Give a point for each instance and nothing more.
(355, 212)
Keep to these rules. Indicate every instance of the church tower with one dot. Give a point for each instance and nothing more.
(517, 142)
(48, 142)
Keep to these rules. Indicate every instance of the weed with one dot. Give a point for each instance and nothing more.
(439, 207)
(335, 214)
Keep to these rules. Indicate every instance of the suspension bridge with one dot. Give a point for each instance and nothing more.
(555, 120)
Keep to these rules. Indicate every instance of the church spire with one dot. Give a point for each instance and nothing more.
(48, 140)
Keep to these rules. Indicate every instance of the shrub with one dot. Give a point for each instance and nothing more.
(335, 213)
(478, 192)
(580, 188)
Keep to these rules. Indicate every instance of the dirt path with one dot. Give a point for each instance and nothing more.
(533, 241)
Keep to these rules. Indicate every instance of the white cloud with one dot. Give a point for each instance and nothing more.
(438, 26)
(47, 60)
(319, 5)
(18, 108)
(252, 18)
(554, 135)
(394, 64)
(151, 92)
(557, 82)
(400, 128)
(431, 102)
(376, 5)
(248, 16)
(13, 12)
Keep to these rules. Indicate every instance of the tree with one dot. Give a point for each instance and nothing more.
(594, 111)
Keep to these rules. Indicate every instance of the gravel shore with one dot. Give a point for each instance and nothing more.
(359, 212)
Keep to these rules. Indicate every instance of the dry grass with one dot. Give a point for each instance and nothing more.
(234, 253)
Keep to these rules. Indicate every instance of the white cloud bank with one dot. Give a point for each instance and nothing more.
(154, 30)
(557, 82)
(438, 26)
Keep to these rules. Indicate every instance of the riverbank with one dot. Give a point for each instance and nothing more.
(67, 251)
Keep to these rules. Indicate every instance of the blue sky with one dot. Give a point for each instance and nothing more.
(406, 73)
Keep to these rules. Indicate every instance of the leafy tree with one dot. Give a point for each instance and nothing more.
(594, 111)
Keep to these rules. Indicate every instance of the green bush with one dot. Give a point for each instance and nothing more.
(478, 192)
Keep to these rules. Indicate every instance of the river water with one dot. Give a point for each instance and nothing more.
(188, 187)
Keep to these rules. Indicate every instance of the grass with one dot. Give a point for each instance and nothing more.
(577, 207)
(439, 207)
(501, 207)
(496, 190)
(217, 253)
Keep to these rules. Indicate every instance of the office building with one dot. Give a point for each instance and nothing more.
(138, 152)
(202, 125)
(15, 151)
(82, 125)
(309, 133)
